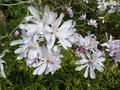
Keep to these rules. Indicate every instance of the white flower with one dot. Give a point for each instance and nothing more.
(92, 22)
(61, 32)
(102, 5)
(49, 63)
(112, 5)
(2, 73)
(116, 55)
(91, 62)
(83, 17)
(86, 43)
(112, 46)
(69, 10)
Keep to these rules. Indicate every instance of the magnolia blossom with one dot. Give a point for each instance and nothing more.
(60, 32)
(86, 43)
(2, 73)
(39, 38)
(83, 17)
(91, 62)
(50, 61)
(113, 46)
(92, 22)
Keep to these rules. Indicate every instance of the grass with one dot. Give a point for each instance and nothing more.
(19, 76)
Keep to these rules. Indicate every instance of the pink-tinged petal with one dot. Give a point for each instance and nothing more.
(16, 33)
(80, 67)
(92, 73)
(15, 42)
(86, 72)
(34, 12)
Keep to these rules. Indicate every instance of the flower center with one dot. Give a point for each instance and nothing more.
(90, 62)
(48, 61)
(55, 31)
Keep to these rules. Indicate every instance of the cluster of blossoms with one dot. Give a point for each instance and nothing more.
(113, 46)
(2, 74)
(102, 5)
(41, 38)
(86, 48)
(44, 34)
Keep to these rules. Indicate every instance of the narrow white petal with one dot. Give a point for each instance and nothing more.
(17, 50)
(82, 61)
(66, 25)
(68, 44)
(86, 72)
(19, 57)
(80, 67)
(16, 42)
(62, 43)
(33, 11)
(51, 42)
(42, 69)
(92, 73)
(99, 68)
(28, 18)
(58, 21)
(35, 72)
(2, 71)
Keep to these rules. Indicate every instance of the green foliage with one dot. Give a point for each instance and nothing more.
(19, 76)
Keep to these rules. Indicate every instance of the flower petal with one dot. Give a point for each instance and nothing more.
(15, 42)
(92, 73)
(34, 12)
(80, 67)
(86, 72)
